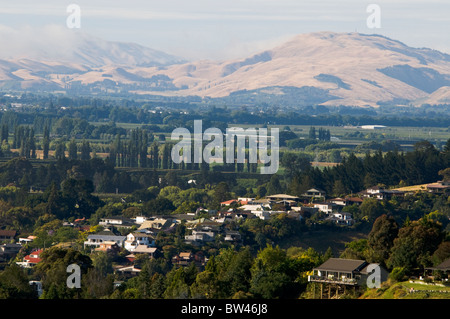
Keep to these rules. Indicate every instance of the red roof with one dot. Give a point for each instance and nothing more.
(229, 202)
(31, 259)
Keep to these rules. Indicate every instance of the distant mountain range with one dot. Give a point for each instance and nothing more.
(317, 68)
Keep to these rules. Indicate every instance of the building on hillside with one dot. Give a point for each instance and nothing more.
(338, 201)
(117, 221)
(232, 236)
(26, 240)
(142, 250)
(32, 259)
(8, 251)
(7, 235)
(315, 192)
(440, 187)
(284, 199)
(380, 193)
(443, 267)
(354, 201)
(229, 202)
(186, 258)
(94, 240)
(341, 218)
(136, 239)
(326, 208)
(156, 223)
(336, 276)
(128, 271)
(108, 246)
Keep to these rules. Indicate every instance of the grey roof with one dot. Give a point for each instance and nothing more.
(343, 265)
(107, 237)
(445, 265)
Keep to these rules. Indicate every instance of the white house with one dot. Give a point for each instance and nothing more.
(325, 207)
(137, 238)
(341, 218)
(200, 236)
(95, 240)
(117, 221)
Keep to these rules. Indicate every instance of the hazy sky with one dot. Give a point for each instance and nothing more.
(222, 29)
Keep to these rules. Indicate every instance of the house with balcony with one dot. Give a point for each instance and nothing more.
(337, 275)
(315, 192)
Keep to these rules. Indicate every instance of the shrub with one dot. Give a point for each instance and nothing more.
(398, 274)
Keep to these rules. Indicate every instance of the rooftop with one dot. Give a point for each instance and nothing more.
(342, 265)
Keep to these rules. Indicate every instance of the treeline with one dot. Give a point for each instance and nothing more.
(161, 112)
(355, 174)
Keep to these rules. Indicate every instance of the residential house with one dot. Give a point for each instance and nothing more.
(141, 219)
(94, 240)
(241, 215)
(27, 240)
(443, 267)
(440, 187)
(354, 201)
(186, 258)
(199, 236)
(183, 258)
(229, 202)
(336, 275)
(380, 193)
(202, 210)
(8, 251)
(260, 210)
(245, 200)
(7, 235)
(128, 271)
(315, 192)
(157, 223)
(284, 198)
(341, 218)
(338, 201)
(135, 239)
(233, 236)
(108, 246)
(327, 208)
(146, 250)
(117, 221)
(305, 211)
(142, 250)
(262, 201)
(32, 259)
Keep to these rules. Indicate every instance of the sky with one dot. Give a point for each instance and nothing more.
(219, 29)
